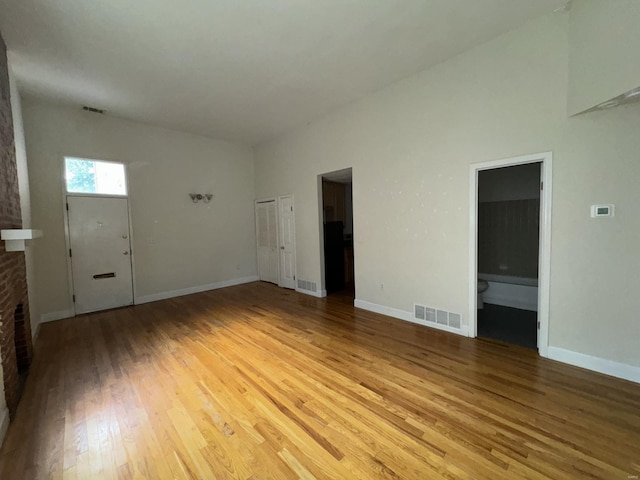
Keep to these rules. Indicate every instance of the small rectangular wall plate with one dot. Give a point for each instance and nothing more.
(602, 211)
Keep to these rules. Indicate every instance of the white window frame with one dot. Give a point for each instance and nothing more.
(89, 194)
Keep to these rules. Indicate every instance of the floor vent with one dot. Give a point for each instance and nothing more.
(437, 318)
(306, 285)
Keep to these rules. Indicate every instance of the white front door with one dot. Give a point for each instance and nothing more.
(287, 242)
(100, 252)
(267, 233)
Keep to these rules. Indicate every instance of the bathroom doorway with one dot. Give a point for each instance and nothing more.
(337, 232)
(511, 201)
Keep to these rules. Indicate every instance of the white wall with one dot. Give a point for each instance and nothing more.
(177, 245)
(603, 54)
(410, 146)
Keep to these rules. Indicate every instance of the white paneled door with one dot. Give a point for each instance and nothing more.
(287, 242)
(100, 252)
(267, 233)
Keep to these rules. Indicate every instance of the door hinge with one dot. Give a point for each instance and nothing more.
(294, 277)
(70, 253)
(538, 325)
(74, 298)
(292, 209)
(67, 207)
(541, 185)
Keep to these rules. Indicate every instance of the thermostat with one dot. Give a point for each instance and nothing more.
(602, 210)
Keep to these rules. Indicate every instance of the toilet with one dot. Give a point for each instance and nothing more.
(483, 285)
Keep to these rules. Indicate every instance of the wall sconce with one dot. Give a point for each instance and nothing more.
(205, 197)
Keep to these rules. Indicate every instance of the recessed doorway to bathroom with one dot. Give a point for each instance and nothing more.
(510, 226)
(337, 229)
(508, 243)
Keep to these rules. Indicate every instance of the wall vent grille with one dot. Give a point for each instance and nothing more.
(437, 318)
(454, 320)
(307, 285)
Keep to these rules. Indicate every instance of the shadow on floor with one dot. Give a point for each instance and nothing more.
(509, 325)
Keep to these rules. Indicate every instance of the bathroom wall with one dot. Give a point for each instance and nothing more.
(509, 221)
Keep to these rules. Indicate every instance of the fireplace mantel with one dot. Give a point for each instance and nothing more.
(15, 238)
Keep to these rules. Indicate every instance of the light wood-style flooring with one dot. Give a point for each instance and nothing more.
(257, 382)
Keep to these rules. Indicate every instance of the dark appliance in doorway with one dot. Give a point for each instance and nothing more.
(334, 256)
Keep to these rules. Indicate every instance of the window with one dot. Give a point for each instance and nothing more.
(92, 176)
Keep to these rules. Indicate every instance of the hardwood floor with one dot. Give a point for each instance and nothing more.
(258, 382)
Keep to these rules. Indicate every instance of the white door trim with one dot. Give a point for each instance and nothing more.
(544, 257)
(65, 216)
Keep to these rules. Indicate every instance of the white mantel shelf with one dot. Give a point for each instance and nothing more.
(15, 238)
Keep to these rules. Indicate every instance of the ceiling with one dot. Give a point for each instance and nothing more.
(242, 70)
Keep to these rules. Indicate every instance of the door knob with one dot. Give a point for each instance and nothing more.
(124, 237)
(281, 248)
(125, 253)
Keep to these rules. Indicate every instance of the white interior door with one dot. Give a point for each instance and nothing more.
(100, 252)
(267, 233)
(287, 242)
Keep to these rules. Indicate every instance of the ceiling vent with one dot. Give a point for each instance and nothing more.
(93, 109)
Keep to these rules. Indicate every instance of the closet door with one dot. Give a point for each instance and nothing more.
(287, 242)
(267, 238)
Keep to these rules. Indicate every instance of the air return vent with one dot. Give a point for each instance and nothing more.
(455, 320)
(306, 285)
(437, 318)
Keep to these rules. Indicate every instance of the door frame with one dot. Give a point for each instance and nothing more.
(65, 216)
(295, 258)
(320, 177)
(544, 248)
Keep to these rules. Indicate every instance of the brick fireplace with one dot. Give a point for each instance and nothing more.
(16, 348)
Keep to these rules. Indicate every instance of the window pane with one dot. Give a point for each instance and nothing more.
(110, 178)
(80, 176)
(89, 176)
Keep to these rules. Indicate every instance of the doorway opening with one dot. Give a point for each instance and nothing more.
(337, 229)
(510, 228)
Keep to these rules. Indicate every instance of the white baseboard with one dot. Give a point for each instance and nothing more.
(320, 294)
(388, 311)
(597, 364)
(403, 315)
(197, 289)
(59, 315)
(4, 423)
